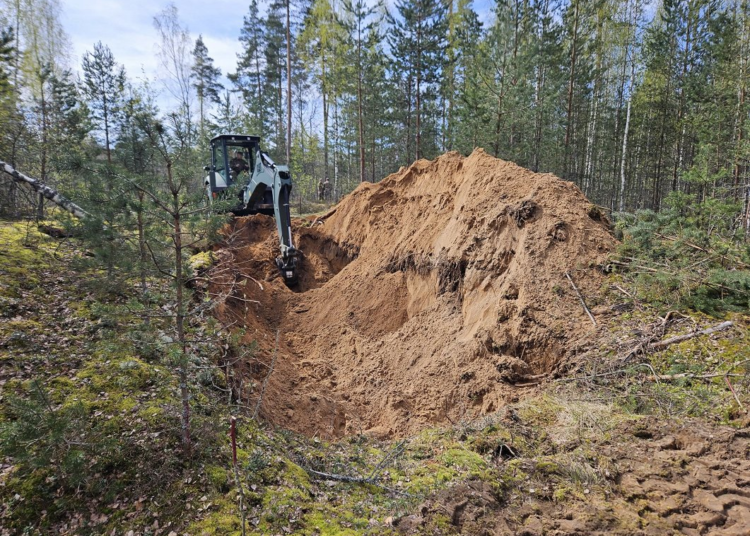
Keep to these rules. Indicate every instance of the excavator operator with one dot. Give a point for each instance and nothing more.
(238, 164)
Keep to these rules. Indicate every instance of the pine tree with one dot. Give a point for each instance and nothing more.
(274, 76)
(205, 79)
(470, 116)
(357, 21)
(379, 130)
(249, 79)
(319, 44)
(68, 122)
(104, 86)
(417, 39)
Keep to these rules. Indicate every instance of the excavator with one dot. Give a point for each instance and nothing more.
(266, 187)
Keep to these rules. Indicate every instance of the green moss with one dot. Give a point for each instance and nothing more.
(294, 475)
(218, 477)
(429, 477)
(24, 250)
(60, 388)
(547, 467)
(441, 524)
(152, 413)
(218, 523)
(513, 474)
(24, 325)
(560, 494)
(201, 261)
(465, 461)
(80, 309)
(540, 411)
(128, 373)
(323, 524)
(279, 504)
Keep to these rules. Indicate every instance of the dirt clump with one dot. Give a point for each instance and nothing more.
(433, 296)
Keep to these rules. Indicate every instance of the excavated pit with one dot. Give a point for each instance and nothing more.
(434, 296)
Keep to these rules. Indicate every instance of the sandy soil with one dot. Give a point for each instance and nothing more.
(435, 295)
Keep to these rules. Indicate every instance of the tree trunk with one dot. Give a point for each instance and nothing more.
(182, 371)
(288, 85)
(43, 170)
(143, 252)
(623, 156)
(681, 108)
(324, 94)
(46, 191)
(573, 58)
(360, 122)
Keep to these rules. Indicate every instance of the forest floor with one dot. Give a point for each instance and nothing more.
(402, 388)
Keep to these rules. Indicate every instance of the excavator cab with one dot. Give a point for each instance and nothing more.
(232, 159)
(266, 189)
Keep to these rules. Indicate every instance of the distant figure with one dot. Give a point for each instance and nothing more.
(323, 188)
(238, 165)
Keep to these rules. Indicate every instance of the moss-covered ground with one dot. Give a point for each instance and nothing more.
(90, 438)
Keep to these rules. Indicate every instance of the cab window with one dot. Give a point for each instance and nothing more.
(219, 160)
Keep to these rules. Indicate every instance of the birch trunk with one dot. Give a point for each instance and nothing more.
(623, 156)
(49, 193)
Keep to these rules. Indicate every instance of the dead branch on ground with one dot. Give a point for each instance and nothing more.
(580, 297)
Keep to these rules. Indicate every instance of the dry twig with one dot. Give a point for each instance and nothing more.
(580, 297)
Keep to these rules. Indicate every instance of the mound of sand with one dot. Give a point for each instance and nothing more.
(433, 296)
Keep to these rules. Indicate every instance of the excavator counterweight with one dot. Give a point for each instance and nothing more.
(266, 189)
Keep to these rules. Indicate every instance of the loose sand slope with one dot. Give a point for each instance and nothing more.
(432, 296)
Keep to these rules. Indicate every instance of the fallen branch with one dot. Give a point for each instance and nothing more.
(649, 345)
(49, 193)
(679, 338)
(628, 294)
(340, 478)
(734, 393)
(580, 297)
(689, 376)
(398, 449)
(55, 232)
(353, 480)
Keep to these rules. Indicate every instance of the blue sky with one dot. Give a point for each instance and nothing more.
(127, 28)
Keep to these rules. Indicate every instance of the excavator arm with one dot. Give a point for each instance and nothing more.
(272, 182)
